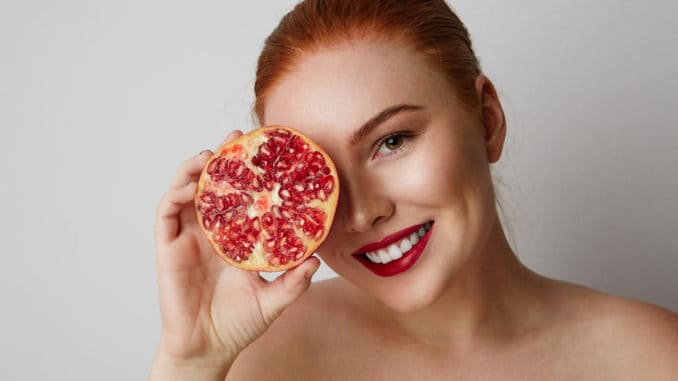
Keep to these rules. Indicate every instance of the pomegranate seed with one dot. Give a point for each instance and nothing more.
(246, 199)
(208, 197)
(282, 165)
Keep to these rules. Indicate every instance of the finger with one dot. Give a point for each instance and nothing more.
(190, 169)
(287, 288)
(167, 219)
(232, 135)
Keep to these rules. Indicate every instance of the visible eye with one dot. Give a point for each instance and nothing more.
(391, 143)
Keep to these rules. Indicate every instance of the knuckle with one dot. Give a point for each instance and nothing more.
(184, 165)
(164, 201)
(190, 165)
(160, 207)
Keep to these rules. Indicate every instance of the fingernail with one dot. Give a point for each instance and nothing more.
(202, 152)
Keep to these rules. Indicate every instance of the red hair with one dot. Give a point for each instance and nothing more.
(429, 27)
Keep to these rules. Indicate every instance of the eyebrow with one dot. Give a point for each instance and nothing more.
(380, 118)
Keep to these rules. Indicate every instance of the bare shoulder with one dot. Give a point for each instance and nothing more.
(641, 335)
(298, 338)
(634, 339)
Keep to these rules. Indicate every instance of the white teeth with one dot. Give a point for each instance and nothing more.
(383, 256)
(394, 252)
(373, 257)
(405, 246)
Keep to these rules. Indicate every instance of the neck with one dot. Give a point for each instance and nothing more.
(492, 297)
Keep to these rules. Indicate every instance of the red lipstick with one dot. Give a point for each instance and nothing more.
(399, 265)
(389, 239)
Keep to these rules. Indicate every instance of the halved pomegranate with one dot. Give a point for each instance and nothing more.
(266, 200)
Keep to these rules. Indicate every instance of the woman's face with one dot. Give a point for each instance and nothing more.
(424, 161)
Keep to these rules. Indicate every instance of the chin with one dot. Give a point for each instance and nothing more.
(411, 296)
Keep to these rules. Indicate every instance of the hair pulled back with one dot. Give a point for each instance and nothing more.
(429, 27)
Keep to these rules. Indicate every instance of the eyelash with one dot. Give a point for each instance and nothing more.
(402, 135)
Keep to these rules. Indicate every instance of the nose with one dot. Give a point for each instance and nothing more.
(363, 205)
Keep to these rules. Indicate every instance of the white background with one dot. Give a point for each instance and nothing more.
(100, 102)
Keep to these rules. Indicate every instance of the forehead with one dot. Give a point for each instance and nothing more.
(331, 92)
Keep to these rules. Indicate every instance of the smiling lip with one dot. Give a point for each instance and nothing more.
(400, 265)
(389, 239)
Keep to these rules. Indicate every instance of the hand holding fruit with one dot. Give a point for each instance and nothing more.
(210, 311)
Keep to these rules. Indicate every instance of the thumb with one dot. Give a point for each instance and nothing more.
(287, 288)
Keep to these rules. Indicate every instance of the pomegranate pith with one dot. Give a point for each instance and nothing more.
(266, 200)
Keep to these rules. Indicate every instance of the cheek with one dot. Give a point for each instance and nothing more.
(435, 174)
(430, 176)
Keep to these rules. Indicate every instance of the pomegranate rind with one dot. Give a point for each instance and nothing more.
(244, 148)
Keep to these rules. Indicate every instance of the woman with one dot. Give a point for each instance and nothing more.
(394, 93)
